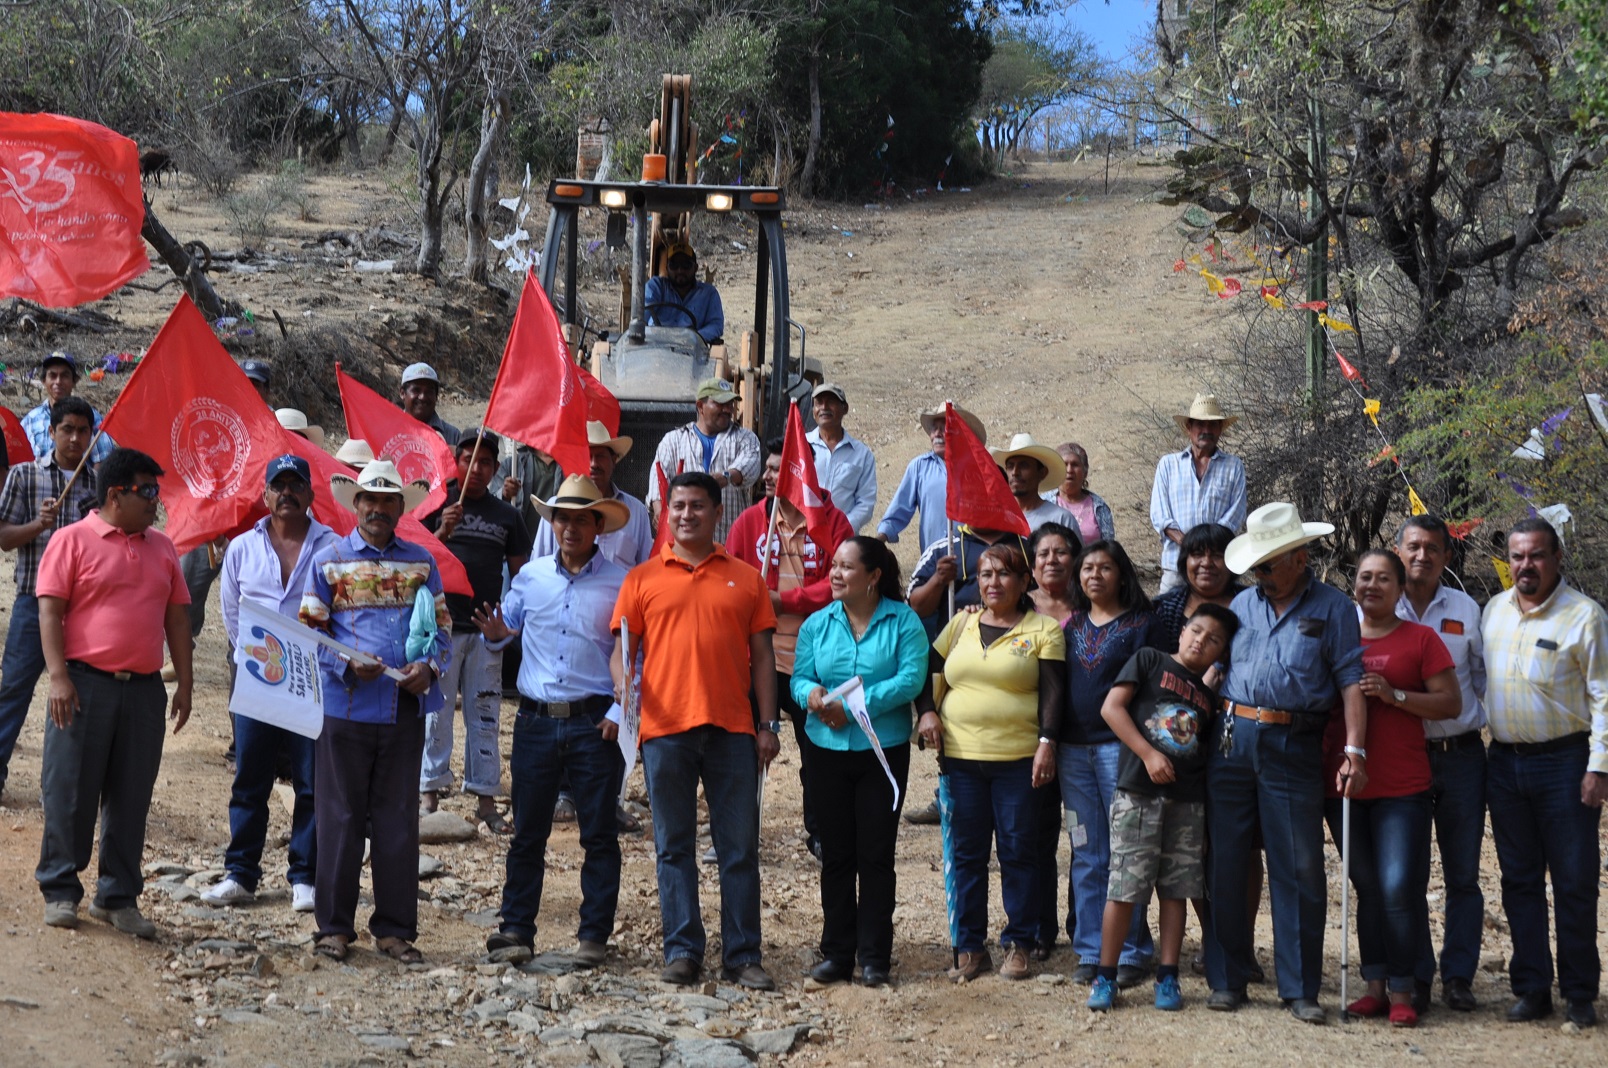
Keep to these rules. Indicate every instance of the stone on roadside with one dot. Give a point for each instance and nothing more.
(706, 1053)
(526, 1022)
(442, 826)
(430, 866)
(778, 1041)
(395, 1043)
(158, 869)
(625, 1051)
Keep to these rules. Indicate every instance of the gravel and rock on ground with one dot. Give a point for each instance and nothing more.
(1042, 302)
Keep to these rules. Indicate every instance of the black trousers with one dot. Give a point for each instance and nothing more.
(368, 776)
(858, 832)
(104, 764)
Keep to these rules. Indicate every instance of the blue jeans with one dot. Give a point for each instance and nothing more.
(1457, 799)
(1390, 871)
(477, 672)
(544, 748)
(1274, 774)
(19, 673)
(257, 750)
(992, 804)
(728, 766)
(1542, 829)
(1088, 776)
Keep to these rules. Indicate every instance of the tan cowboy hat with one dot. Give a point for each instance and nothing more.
(1024, 445)
(1270, 530)
(296, 422)
(355, 452)
(378, 476)
(580, 494)
(935, 416)
(1206, 409)
(597, 436)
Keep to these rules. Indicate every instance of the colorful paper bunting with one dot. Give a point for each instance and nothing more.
(1503, 572)
(1349, 370)
(1370, 408)
(1415, 503)
(1386, 453)
(1463, 528)
(1336, 324)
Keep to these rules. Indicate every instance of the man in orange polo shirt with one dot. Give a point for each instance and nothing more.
(110, 590)
(702, 621)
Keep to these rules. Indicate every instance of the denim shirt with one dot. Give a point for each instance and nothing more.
(890, 658)
(1299, 661)
(924, 488)
(363, 597)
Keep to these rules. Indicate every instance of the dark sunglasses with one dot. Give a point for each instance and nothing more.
(150, 491)
(290, 485)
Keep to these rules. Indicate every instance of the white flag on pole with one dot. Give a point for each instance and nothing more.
(278, 681)
(852, 694)
(630, 709)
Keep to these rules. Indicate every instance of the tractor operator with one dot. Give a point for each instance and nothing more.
(677, 298)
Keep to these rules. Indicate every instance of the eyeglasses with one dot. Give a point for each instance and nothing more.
(289, 485)
(150, 491)
(1267, 567)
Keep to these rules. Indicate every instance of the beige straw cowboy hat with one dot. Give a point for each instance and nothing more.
(1270, 530)
(295, 421)
(355, 452)
(378, 476)
(1024, 445)
(1206, 409)
(597, 436)
(935, 417)
(580, 494)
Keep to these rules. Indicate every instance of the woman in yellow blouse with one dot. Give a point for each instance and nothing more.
(1004, 672)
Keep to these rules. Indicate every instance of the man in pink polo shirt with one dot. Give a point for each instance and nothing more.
(110, 590)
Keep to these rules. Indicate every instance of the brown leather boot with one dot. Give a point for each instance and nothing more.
(1015, 964)
(971, 965)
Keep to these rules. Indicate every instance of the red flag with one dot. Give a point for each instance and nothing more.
(1349, 370)
(798, 484)
(977, 494)
(18, 448)
(661, 537)
(71, 208)
(539, 398)
(601, 406)
(416, 449)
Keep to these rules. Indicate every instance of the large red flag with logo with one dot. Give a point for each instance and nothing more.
(798, 483)
(539, 398)
(977, 494)
(190, 407)
(416, 449)
(71, 209)
(18, 448)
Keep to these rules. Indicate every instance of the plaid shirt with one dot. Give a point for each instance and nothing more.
(1546, 670)
(27, 487)
(736, 447)
(36, 424)
(1179, 499)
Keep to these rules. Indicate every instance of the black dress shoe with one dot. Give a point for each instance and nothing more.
(1084, 974)
(1582, 1012)
(1530, 1007)
(1421, 998)
(1226, 1000)
(1307, 1010)
(1458, 994)
(871, 975)
(683, 971)
(830, 971)
(1131, 975)
(1041, 951)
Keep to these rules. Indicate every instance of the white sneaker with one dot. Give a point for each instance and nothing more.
(228, 892)
(301, 897)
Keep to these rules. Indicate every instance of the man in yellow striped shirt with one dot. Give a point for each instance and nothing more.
(1546, 657)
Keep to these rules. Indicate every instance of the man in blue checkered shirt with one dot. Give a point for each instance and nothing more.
(58, 372)
(31, 510)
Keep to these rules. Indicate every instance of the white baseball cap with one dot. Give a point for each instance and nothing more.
(420, 372)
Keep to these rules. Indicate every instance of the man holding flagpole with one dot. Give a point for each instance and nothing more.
(560, 608)
(269, 565)
(791, 538)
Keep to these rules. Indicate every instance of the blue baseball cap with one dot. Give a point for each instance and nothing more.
(288, 463)
(58, 356)
(258, 371)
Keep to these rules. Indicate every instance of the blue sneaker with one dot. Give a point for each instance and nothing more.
(1168, 997)
(1104, 994)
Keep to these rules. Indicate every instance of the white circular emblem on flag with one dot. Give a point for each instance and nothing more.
(567, 383)
(210, 447)
(413, 459)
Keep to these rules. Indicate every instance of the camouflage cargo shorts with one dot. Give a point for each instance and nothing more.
(1156, 842)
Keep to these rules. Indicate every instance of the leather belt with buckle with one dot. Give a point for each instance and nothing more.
(585, 706)
(1466, 740)
(1277, 716)
(120, 676)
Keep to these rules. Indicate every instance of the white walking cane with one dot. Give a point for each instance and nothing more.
(1345, 901)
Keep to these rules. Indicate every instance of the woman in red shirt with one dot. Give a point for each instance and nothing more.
(1408, 678)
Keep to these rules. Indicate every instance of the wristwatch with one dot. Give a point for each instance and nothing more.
(774, 726)
(1398, 696)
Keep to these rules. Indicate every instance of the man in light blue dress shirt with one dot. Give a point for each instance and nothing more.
(560, 608)
(677, 298)
(844, 463)
(925, 485)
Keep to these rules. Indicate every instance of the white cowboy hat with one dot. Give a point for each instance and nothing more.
(378, 476)
(1270, 530)
(355, 452)
(935, 417)
(580, 494)
(597, 436)
(1206, 409)
(1024, 445)
(295, 421)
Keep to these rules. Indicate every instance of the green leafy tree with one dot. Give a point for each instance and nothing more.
(1033, 67)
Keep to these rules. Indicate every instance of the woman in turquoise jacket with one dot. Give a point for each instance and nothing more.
(869, 633)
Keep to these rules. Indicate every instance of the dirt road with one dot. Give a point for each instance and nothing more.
(1049, 307)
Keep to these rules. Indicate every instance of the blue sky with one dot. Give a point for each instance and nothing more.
(1113, 26)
